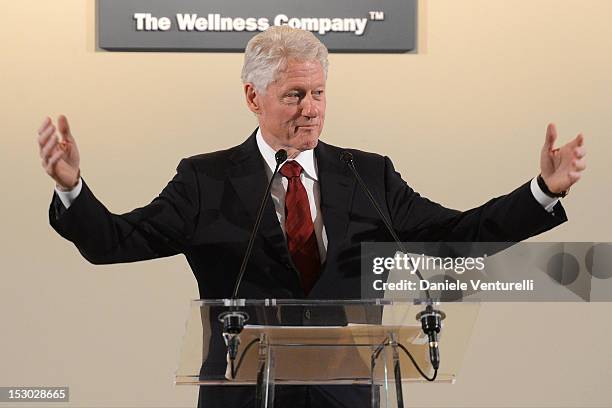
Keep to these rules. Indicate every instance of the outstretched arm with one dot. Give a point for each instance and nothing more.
(164, 227)
(512, 217)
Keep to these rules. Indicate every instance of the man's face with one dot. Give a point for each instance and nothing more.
(292, 111)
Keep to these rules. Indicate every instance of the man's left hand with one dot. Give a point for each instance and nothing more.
(561, 167)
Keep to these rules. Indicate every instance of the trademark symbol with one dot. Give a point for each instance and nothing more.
(377, 15)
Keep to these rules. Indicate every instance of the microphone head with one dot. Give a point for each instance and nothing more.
(431, 319)
(346, 157)
(280, 156)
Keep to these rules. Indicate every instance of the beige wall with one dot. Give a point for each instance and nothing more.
(463, 119)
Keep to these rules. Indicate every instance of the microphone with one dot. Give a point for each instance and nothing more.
(431, 319)
(233, 320)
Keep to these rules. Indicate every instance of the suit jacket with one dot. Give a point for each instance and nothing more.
(207, 211)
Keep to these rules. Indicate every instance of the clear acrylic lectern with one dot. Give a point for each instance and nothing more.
(301, 342)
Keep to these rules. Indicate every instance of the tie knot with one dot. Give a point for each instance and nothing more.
(291, 169)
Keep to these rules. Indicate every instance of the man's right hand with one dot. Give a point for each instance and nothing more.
(59, 153)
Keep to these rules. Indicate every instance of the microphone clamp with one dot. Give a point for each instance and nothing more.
(233, 323)
(431, 323)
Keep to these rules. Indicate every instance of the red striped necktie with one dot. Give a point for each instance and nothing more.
(301, 237)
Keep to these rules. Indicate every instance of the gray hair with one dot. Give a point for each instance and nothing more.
(267, 53)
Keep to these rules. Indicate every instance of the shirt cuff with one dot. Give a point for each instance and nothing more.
(68, 197)
(545, 200)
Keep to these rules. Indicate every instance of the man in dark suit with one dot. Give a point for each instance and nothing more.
(309, 241)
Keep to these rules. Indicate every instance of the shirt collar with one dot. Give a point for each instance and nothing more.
(305, 158)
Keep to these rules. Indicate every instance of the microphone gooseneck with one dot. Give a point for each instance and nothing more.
(233, 320)
(431, 319)
(280, 157)
(347, 158)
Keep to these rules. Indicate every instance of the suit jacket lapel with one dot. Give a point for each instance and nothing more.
(337, 187)
(249, 180)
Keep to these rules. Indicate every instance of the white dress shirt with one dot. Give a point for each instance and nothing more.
(310, 180)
